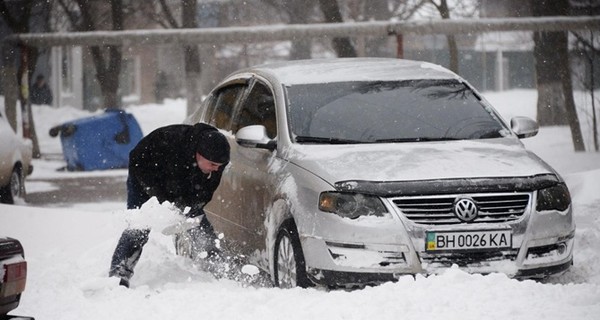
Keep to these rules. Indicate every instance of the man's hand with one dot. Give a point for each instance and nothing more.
(195, 211)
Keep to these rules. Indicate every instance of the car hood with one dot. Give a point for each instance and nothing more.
(489, 158)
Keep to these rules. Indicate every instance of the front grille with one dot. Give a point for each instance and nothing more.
(439, 210)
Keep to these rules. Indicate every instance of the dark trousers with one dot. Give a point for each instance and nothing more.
(130, 245)
(132, 241)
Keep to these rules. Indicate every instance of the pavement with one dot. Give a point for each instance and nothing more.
(66, 191)
(51, 185)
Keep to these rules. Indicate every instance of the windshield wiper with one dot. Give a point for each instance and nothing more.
(309, 139)
(415, 139)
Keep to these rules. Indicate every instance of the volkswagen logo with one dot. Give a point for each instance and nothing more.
(465, 209)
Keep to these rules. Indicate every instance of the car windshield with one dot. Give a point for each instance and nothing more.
(389, 111)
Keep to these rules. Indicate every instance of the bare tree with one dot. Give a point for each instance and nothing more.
(191, 58)
(586, 45)
(18, 17)
(589, 53)
(556, 105)
(444, 11)
(92, 15)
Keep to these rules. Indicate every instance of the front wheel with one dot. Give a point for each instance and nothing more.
(290, 269)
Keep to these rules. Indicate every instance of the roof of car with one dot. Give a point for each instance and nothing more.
(351, 69)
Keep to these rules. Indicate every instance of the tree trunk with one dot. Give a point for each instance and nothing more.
(551, 99)
(107, 59)
(10, 88)
(453, 51)
(342, 46)
(193, 80)
(107, 74)
(451, 39)
(556, 105)
(301, 48)
(17, 17)
(27, 57)
(564, 71)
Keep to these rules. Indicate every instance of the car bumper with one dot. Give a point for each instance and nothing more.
(362, 253)
(358, 266)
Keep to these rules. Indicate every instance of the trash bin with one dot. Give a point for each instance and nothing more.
(99, 142)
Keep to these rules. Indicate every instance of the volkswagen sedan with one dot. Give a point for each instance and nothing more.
(352, 172)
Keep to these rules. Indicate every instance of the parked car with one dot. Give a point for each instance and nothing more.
(352, 172)
(13, 275)
(15, 163)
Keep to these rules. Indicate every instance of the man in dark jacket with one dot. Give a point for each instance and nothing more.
(40, 92)
(181, 164)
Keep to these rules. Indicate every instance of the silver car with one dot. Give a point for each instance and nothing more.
(15, 163)
(351, 172)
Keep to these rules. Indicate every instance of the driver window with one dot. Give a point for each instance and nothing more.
(222, 105)
(258, 108)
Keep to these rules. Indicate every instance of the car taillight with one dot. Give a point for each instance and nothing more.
(15, 276)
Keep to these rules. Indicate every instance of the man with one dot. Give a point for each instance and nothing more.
(181, 164)
(40, 92)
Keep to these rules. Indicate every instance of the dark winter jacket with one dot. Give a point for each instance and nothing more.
(41, 94)
(165, 166)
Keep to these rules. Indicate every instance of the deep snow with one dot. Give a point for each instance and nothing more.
(68, 253)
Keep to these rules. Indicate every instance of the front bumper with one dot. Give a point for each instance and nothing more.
(343, 253)
(347, 269)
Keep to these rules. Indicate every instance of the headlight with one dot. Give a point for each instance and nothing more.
(351, 205)
(554, 198)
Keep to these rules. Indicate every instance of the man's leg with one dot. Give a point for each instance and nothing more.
(129, 248)
(127, 253)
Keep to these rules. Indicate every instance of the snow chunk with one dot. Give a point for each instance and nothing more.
(250, 270)
(154, 215)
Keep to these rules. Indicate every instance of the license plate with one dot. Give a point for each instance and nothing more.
(467, 240)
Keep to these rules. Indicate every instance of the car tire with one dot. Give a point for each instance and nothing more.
(15, 190)
(289, 264)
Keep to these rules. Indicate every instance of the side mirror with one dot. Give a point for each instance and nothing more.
(524, 127)
(255, 136)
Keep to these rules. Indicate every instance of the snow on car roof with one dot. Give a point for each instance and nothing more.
(352, 69)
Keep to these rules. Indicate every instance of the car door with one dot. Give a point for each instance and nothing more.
(249, 173)
(219, 110)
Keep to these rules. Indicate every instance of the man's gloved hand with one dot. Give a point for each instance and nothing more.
(195, 211)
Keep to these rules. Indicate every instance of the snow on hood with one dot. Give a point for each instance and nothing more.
(419, 160)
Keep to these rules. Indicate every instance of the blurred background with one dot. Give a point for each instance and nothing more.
(105, 76)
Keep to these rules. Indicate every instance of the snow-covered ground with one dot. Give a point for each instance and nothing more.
(69, 250)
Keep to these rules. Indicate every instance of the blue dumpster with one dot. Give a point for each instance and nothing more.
(99, 142)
